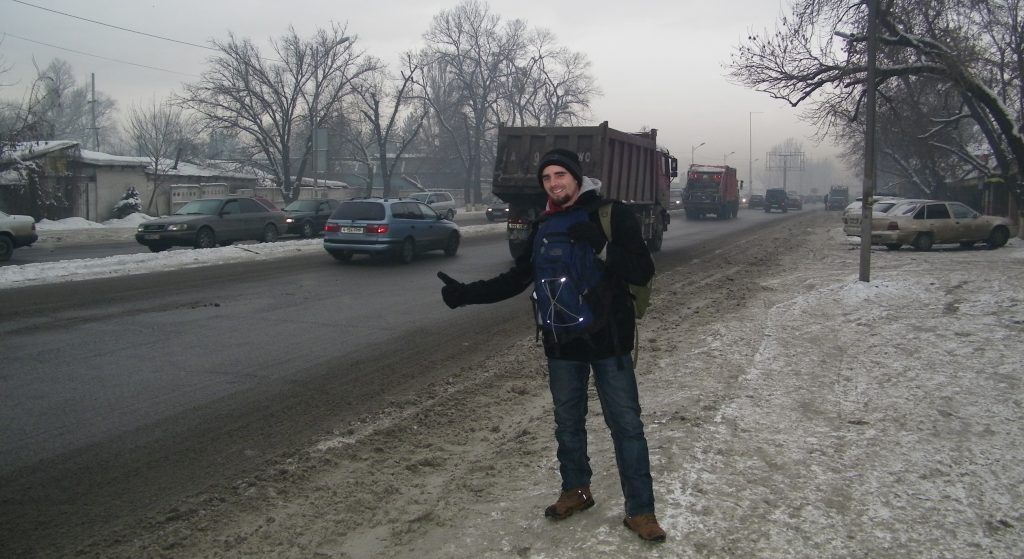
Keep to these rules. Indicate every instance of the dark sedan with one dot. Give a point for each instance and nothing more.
(207, 222)
(308, 217)
(497, 211)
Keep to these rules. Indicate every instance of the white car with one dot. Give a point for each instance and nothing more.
(923, 223)
(852, 212)
(15, 231)
(441, 201)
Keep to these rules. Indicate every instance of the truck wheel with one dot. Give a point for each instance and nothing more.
(654, 244)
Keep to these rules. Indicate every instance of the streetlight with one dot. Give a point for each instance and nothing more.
(725, 159)
(693, 149)
(750, 147)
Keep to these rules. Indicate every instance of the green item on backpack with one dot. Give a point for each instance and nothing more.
(641, 294)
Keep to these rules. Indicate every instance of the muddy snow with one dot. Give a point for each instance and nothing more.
(791, 411)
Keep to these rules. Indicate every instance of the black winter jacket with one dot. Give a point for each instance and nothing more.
(627, 261)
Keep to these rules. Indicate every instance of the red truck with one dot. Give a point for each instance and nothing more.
(711, 189)
(631, 168)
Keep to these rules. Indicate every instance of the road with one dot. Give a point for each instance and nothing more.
(121, 396)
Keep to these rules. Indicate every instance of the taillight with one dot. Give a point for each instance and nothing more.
(376, 229)
(332, 228)
(893, 226)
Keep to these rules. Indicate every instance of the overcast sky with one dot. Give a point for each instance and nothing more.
(659, 63)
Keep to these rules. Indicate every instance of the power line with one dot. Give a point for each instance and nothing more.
(115, 26)
(7, 34)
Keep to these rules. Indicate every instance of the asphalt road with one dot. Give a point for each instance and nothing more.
(118, 397)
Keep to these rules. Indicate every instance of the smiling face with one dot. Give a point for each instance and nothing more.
(560, 185)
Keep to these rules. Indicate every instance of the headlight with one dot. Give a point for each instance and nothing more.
(289, 220)
(139, 229)
(177, 227)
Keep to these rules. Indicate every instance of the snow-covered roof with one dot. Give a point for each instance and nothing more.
(107, 160)
(24, 151)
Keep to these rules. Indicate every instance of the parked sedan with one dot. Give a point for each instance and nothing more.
(15, 231)
(923, 223)
(308, 217)
(398, 226)
(207, 222)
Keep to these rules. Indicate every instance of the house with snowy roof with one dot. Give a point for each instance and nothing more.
(59, 179)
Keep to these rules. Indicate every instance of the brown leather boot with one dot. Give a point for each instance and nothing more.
(646, 526)
(569, 502)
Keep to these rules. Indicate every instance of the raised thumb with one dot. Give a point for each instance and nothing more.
(447, 279)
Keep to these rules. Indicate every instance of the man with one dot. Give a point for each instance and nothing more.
(605, 349)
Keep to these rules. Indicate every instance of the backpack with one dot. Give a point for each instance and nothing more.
(566, 276)
(641, 294)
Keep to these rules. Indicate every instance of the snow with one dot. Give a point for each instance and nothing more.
(792, 411)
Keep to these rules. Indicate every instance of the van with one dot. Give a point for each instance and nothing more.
(441, 201)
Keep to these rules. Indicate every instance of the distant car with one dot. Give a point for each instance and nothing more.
(924, 223)
(675, 199)
(398, 226)
(794, 201)
(497, 211)
(775, 199)
(16, 231)
(208, 222)
(441, 201)
(755, 201)
(308, 217)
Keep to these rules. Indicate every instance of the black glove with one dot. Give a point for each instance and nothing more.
(587, 231)
(453, 291)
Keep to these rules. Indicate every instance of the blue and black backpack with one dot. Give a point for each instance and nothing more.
(566, 277)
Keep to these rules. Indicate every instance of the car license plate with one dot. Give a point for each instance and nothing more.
(351, 229)
(151, 236)
(853, 220)
(518, 226)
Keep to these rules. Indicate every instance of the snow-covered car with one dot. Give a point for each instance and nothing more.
(923, 223)
(16, 231)
(208, 222)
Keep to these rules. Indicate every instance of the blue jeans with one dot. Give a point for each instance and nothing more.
(620, 402)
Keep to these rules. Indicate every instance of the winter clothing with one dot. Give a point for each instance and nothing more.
(605, 351)
(563, 158)
(646, 526)
(570, 502)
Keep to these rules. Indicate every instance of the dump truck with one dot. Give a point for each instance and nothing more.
(631, 168)
(711, 189)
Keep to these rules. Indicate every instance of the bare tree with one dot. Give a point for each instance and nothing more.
(56, 107)
(472, 49)
(970, 47)
(159, 130)
(392, 114)
(277, 103)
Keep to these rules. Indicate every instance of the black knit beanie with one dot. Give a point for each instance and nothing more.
(563, 158)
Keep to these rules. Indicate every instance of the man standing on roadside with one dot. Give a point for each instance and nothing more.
(605, 349)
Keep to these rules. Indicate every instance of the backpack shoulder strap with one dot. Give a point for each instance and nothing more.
(605, 213)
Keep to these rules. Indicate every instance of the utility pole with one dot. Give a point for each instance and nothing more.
(868, 192)
(92, 103)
